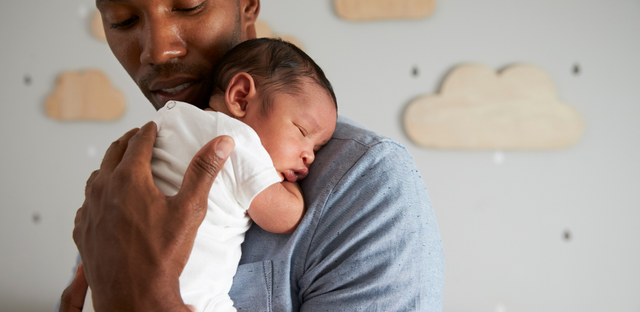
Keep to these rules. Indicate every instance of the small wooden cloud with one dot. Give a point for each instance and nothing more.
(85, 95)
(263, 30)
(366, 10)
(97, 29)
(478, 109)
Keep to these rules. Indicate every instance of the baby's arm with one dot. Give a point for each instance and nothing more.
(279, 208)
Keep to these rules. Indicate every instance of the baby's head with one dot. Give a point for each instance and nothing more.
(282, 94)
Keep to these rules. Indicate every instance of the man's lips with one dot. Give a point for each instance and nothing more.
(177, 89)
(169, 84)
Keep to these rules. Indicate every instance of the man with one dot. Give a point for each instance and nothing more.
(369, 240)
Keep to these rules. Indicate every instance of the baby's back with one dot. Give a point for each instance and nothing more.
(182, 130)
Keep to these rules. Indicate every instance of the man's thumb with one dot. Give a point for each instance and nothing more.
(73, 296)
(203, 169)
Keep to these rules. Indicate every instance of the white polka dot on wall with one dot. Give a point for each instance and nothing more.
(82, 11)
(500, 308)
(498, 157)
(92, 151)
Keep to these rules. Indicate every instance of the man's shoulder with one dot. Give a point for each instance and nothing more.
(352, 144)
(369, 234)
(347, 129)
(353, 153)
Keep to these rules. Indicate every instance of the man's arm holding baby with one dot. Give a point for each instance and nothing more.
(279, 208)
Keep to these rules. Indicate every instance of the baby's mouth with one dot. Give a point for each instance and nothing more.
(290, 176)
(294, 176)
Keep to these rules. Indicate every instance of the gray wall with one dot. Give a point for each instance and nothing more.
(502, 224)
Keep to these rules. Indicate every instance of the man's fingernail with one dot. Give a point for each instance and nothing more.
(224, 147)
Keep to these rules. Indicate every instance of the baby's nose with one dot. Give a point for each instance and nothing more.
(307, 158)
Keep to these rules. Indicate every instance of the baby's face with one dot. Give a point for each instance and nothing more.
(295, 128)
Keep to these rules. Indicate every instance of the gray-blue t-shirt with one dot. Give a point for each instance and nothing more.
(369, 240)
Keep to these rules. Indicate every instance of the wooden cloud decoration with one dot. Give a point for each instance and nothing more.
(479, 109)
(97, 29)
(368, 10)
(86, 95)
(263, 30)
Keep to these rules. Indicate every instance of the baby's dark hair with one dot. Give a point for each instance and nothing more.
(274, 64)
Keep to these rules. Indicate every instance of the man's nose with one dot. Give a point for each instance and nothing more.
(161, 41)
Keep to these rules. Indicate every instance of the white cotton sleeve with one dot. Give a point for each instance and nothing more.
(252, 165)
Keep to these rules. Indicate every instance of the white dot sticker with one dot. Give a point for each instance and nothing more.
(82, 11)
(498, 157)
(92, 151)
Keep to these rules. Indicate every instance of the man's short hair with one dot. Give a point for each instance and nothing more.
(274, 64)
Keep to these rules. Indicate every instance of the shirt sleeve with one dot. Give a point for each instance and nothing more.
(383, 252)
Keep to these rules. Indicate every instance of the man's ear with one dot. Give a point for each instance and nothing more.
(240, 93)
(249, 10)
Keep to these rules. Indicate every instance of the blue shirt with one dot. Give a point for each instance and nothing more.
(369, 240)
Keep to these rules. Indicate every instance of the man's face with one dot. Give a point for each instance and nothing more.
(169, 47)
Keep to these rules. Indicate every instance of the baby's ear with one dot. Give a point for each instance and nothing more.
(240, 93)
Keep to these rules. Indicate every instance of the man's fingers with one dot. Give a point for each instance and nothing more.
(202, 170)
(79, 216)
(113, 155)
(89, 185)
(140, 147)
(72, 298)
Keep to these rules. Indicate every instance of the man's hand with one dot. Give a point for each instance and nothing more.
(135, 241)
(73, 296)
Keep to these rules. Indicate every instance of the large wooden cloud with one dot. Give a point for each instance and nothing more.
(479, 109)
(367, 10)
(86, 95)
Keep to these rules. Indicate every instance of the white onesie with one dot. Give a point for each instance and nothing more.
(182, 130)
